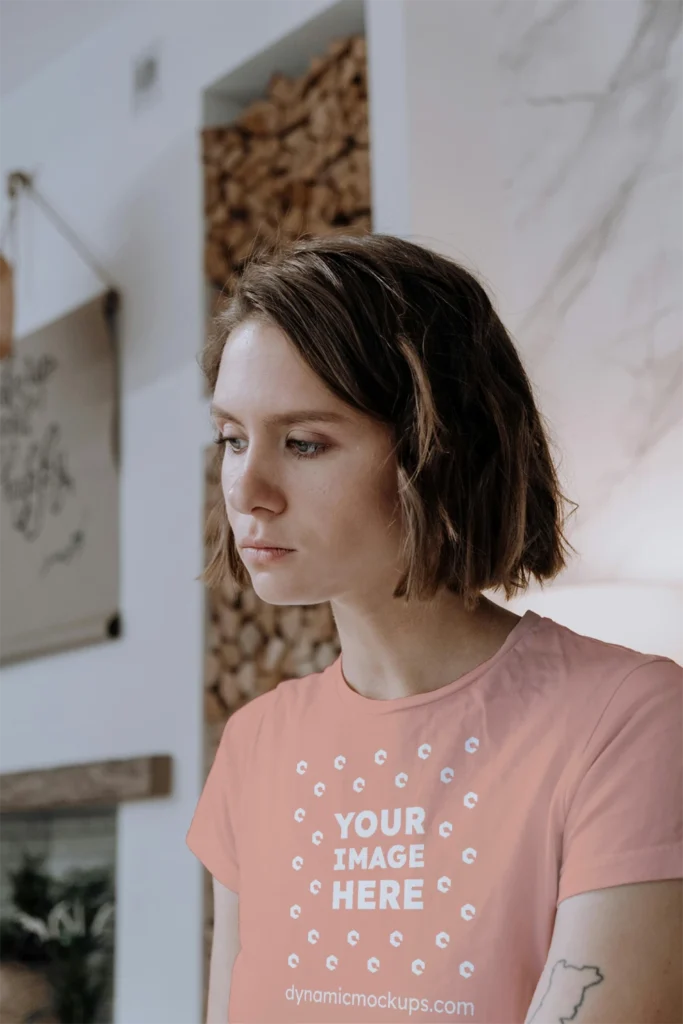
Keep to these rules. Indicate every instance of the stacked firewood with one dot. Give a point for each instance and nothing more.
(293, 163)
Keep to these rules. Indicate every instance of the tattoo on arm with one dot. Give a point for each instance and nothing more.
(575, 982)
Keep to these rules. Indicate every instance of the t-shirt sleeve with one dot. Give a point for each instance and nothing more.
(625, 818)
(211, 836)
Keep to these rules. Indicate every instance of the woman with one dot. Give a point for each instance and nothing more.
(435, 827)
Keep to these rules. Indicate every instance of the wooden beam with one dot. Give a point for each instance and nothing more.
(94, 783)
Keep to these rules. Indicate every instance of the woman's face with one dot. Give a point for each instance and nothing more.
(325, 488)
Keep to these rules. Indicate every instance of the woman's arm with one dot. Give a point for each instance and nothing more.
(616, 953)
(224, 948)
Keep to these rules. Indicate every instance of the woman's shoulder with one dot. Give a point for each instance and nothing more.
(579, 666)
(288, 698)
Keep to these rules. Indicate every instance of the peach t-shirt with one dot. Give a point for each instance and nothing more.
(402, 860)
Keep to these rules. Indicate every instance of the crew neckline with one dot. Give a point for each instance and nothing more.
(356, 702)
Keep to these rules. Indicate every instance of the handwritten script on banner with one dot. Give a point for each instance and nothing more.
(59, 493)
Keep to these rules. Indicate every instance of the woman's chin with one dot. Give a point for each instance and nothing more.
(279, 592)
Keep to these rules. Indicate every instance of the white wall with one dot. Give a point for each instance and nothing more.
(434, 86)
(35, 34)
(590, 148)
(130, 185)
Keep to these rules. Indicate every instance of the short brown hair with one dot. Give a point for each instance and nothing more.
(411, 338)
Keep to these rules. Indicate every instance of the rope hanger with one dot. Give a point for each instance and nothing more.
(18, 181)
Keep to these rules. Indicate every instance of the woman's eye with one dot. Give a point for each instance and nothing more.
(314, 447)
(225, 440)
(219, 439)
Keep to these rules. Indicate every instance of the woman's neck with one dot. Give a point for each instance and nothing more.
(398, 649)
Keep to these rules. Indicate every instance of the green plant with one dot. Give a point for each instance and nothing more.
(66, 926)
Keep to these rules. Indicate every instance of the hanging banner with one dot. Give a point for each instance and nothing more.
(6, 307)
(59, 491)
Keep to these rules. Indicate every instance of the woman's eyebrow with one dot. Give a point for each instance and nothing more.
(286, 418)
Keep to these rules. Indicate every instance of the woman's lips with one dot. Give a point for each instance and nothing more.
(266, 555)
